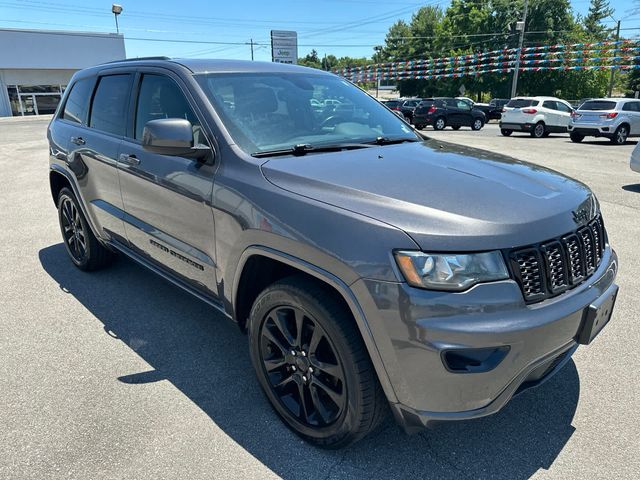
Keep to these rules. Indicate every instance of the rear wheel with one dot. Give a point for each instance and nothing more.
(83, 248)
(419, 126)
(539, 130)
(620, 135)
(456, 127)
(312, 363)
(506, 132)
(477, 124)
(576, 137)
(440, 123)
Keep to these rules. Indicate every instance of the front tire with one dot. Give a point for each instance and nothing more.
(539, 130)
(477, 124)
(505, 132)
(312, 364)
(83, 247)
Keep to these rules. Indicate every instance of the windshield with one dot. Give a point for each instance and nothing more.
(598, 105)
(521, 103)
(273, 111)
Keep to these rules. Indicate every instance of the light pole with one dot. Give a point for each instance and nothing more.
(613, 70)
(519, 26)
(117, 10)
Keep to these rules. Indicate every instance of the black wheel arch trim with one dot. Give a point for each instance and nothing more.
(344, 291)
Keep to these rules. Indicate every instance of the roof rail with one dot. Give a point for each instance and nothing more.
(139, 58)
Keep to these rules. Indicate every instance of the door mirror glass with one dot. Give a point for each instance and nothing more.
(172, 136)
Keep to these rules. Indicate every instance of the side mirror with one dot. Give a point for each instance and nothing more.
(172, 136)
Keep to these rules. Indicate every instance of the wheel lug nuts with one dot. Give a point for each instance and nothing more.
(310, 370)
(304, 354)
(293, 352)
(293, 368)
(304, 378)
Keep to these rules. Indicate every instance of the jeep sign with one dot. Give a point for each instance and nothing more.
(284, 46)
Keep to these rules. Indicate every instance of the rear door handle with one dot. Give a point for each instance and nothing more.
(131, 160)
(78, 140)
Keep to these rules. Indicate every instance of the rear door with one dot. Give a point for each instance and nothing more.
(167, 199)
(632, 110)
(551, 113)
(463, 113)
(93, 148)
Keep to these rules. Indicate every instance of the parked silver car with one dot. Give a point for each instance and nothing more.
(614, 118)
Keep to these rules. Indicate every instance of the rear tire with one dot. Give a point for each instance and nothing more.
(539, 130)
(440, 123)
(327, 392)
(576, 137)
(457, 127)
(505, 132)
(83, 247)
(620, 135)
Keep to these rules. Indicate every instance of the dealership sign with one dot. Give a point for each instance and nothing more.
(284, 46)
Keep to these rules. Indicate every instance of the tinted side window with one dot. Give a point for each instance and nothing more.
(109, 106)
(75, 109)
(631, 107)
(563, 108)
(549, 104)
(160, 97)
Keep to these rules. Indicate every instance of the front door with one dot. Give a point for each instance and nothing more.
(167, 199)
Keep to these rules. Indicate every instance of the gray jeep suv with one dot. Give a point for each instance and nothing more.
(370, 268)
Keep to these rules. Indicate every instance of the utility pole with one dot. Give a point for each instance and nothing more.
(251, 43)
(613, 70)
(522, 25)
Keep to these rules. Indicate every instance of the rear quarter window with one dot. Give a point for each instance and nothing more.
(75, 108)
(598, 105)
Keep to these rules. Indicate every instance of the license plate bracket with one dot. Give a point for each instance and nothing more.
(597, 315)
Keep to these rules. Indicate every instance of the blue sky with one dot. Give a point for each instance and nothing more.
(341, 27)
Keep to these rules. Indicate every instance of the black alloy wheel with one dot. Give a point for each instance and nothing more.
(302, 366)
(83, 247)
(312, 363)
(73, 232)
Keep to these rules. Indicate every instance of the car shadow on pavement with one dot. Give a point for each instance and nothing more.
(632, 187)
(205, 356)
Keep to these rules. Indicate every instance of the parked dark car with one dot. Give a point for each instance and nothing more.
(404, 106)
(442, 112)
(372, 270)
(497, 105)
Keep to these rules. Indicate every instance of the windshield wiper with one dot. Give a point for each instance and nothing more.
(304, 148)
(391, 141)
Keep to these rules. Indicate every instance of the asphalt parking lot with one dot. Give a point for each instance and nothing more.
(117, 374)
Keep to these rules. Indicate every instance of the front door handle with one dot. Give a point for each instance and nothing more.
(78, 140)
(131, 160)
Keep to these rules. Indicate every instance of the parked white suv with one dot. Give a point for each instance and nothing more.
(539, 116)
(613, 118)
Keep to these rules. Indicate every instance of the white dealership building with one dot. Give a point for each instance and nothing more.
(36, 65)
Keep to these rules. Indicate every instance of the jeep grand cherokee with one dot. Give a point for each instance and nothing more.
(370, 268)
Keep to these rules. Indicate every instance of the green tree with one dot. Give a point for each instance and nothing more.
(310, 60)
(598, 11)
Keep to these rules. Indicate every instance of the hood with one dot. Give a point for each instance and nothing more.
(446, 197)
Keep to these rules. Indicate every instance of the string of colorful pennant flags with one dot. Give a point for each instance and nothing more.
(612, 55)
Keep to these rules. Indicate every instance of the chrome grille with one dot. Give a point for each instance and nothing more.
(550, 268)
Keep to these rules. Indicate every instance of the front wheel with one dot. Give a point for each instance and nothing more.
(620, 135)
(456, 127)
(477, 124)
(312, 363)
(440, 123)
(576, 137)
(539, 130)
(83, 247)
(505, 132)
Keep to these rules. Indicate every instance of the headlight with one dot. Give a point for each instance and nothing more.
(454, 272)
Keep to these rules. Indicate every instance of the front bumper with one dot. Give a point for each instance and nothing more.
(517, 127)
(413, 329)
